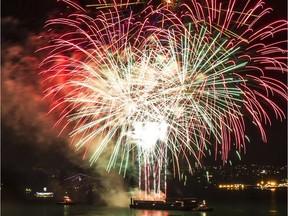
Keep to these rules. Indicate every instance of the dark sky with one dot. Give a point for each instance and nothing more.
(28, 140)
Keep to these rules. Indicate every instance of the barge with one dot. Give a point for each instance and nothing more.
(182, 204)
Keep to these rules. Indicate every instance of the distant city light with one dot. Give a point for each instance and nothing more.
(263, 172)
(28, 190)
(231, 186)
(272, 185)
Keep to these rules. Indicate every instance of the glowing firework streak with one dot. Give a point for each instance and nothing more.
(166, 82)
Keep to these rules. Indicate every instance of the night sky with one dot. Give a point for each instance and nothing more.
(29, 143)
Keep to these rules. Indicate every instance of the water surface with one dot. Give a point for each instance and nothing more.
(224, 203)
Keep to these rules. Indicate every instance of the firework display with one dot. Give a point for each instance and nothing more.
(152, 83)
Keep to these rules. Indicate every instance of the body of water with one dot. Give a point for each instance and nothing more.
(224, 203)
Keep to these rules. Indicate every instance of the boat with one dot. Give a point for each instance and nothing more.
(66, 201)
(182, 204)
(203, 207)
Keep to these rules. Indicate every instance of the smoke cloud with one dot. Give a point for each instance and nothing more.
(27, 131)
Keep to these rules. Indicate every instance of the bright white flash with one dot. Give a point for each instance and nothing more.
(146, 134)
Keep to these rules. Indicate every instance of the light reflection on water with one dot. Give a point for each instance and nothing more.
(83, 210)
(105, 211)
(66, 210)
